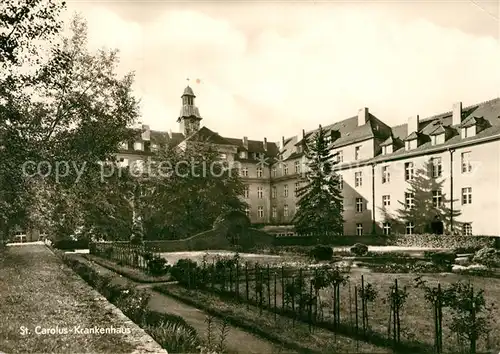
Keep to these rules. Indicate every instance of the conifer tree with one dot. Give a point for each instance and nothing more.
(320, 204)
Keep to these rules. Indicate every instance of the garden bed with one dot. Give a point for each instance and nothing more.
(292, 334)
(134, 274)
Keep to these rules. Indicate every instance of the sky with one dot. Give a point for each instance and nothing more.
(272, 68)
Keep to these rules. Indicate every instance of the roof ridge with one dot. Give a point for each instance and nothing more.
(463, 109)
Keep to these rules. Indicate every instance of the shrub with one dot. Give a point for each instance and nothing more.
(466, 250)
(156, 265)
(487, 256)
(71, 245)
(175, 337)
(443, 258)
(321, 253)
(359, 249)
(183, 269)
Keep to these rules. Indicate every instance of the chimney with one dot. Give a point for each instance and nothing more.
(245, 142)
(457, 113)
(282, 143)
(362, 116)
(265, 144)
(146, 132)
(412, 124)
(170, 133)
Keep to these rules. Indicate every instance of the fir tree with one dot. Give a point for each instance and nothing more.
(320, 204)
(425, 208)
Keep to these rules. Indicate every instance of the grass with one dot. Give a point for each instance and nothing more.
(290, 334)
(37, 290)
(134, 274)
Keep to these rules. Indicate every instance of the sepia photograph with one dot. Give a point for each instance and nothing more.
(249, 177)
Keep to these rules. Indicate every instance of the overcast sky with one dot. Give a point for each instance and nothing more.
(271, 68)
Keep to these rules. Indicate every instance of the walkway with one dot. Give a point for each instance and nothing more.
(45, 307)
(238, 340)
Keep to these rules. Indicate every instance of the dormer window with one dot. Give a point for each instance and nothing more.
(438, 139)
(387, 149)
(138, 146)
(411, 144)
(154, 147)
(468, 132)
(299, 149)
(124, 146)
(243, 154)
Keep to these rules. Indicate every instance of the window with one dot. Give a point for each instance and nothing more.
(410, 228)
(154, 147)
(408, 171)
(274, 192)
(260, 192)
(357, 150)
(285, 210)
(468, 132)
(340, 180)
(359, 205)
(297, 187)
(243, 154)
(386, 228)
(285, 169)
(260, 210)
(358, 179)
(359, 229)
(467, 195)
(386, 149)
(138, 166)
(386, 200)
(467, 229)
(138, 146)
(258, 155)
(285, 190)
(123, 162)
(275, 172)
(223, 156)
(386, 176)
(244, 172)
(274, 212)
(466, 163)
(259, 171)
(437, 199)
(246, 191)
(409, 200)
(298, 149)
(297, 166)
(124, 146)
(247, 211)
(411, 144)
(437, 168)
(340, 156)
(438, 139)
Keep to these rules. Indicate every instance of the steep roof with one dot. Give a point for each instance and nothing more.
(208, 136)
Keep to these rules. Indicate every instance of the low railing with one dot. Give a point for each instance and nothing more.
(121, 252)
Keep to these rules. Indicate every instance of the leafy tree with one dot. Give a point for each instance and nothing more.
(320, 204)
(192, 187)
(26, 27)
(425, 209)
(72, 112)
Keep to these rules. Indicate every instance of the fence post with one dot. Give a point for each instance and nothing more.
(283, 288)
(246, 282)
(275, 296)
(473, 322)
(237, 281)
(356, 307)
(268, 288)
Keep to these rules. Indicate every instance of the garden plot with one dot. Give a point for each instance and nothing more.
(198, 256)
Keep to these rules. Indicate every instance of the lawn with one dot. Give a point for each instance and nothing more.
(38, 290)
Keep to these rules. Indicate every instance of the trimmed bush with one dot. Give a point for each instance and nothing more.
(71, 245)
(183, 269)
(321, 253)
(359, 249)
(488, 257)
(443, 258)
(156, 265)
